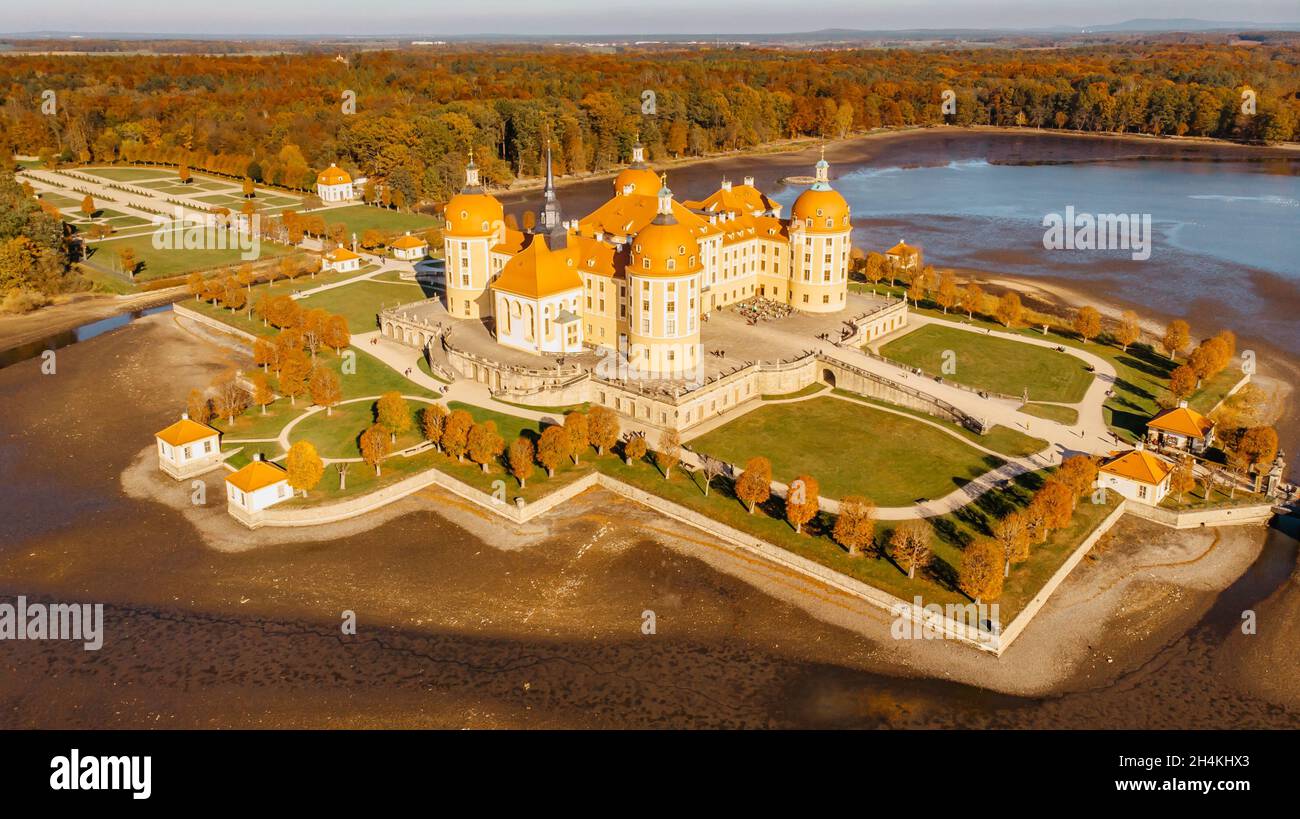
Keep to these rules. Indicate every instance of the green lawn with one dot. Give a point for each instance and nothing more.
(159, 264)
(1008, 441)
(335, 434)
(130, 174)
(1052, 412)
(995, 364)
(360, 218)
(851, 448)
(362, 301)
(811, 389)
(1142, 374)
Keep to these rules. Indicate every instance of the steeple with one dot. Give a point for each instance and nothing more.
(823, 182)
(638, 153)
(549, 220)
(472, 184)
(665, 215)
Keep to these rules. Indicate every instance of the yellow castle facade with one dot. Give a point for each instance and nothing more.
(639, 273)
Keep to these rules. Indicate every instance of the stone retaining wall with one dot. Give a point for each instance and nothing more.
(208, 321)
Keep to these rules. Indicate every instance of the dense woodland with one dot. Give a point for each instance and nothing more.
(279, 119)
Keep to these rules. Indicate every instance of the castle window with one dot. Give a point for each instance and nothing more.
(645, 262)
(681, 250)
(672, 264)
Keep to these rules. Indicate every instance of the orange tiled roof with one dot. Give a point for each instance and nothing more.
(741, 199)
(257, 475)
(1182, 421)
(185, 432)
(408, 242)
(1138, 465)
(628, 215)
(537, 271)
(902, 249)
(333, 175)
(341, 254)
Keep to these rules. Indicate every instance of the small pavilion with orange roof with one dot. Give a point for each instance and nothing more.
(1181, 428)
(334, 185)
(1136, 475)
(188, 448)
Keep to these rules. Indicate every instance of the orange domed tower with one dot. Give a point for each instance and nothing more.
(820, 229)
(637, 177)
(475, 222)
(663, 275)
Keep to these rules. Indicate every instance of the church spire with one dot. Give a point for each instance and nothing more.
(472, 184)
(549, 220)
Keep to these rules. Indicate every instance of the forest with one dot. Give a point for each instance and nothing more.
(409, 117)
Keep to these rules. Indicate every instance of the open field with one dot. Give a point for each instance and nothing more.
(994, 364)
(851, 449)
(1052, 412)
(360, 218)
(360, 302)
(160, 264)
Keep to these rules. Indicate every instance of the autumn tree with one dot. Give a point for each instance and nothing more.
(295, 370)
(326, 391)
(1258, 448)
(972, 299)
(634, 448)
(1129, 330)
(1057, 502)
(1010, 310)
(262, 393)
(801, 501)
(1087, 323)
(337, 335)
(553, 448)
(374, 445)
(521, 456)
(455, 433)
(88, 205)
(711, 467)
(264, 354)
(485, 444)
(855, 526)
(304, 467)
(198, 407)
(1011, 533)
(981, 570)
(393, 414)
(754, 486)
(576, 427)
(669, 452)
(946, 296)
(313, 326)
(1182, 479)
(909, 544)
(1182, 381)
(1176, 336)
(1079, 473)
(432, 419)
(228, 398)
(602, 428)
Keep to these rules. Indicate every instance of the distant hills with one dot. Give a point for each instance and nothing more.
(828, 35)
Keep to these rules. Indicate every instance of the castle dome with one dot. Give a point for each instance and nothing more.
(473, 212)
(820, 209)
(665, 247)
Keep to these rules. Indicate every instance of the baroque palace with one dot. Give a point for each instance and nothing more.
(640, 273)
(622, 307)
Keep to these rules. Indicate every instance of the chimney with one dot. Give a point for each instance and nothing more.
(749, 180)
(1140, 445)
(185, 416)
(259, 456)
(1182, 404)
(726, 184)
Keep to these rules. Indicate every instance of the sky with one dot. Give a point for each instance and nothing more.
(418, 18)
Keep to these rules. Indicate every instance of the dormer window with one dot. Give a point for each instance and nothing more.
(645, 262)
(672, 264)
(819, 211)
(464, 214)
(681, 250)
